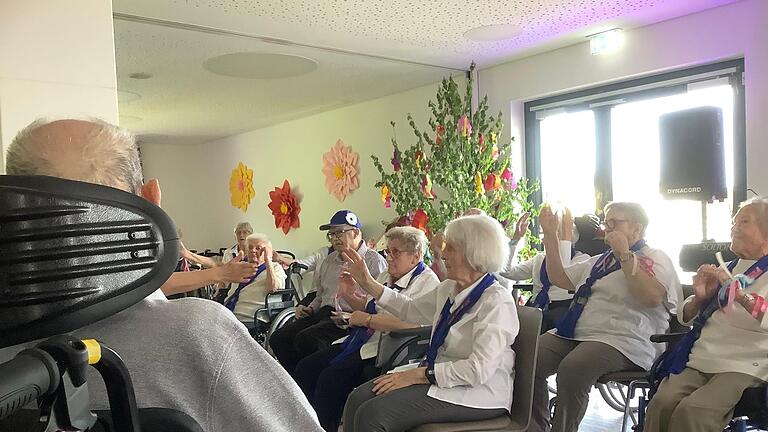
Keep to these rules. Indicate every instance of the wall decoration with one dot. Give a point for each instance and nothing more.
(340, 169)
(285, 208)
(241, 187)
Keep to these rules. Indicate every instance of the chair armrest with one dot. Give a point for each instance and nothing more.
(421, 332)
(523, 286)
(667, 337)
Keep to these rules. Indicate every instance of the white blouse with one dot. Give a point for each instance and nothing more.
(732, 340)
(531, 269)
(613, 316)
(252, 296)
(475, 364)
(421, 289)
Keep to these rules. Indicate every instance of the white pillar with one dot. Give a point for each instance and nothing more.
(57, 59)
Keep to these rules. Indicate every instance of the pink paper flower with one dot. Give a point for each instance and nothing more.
(464, 127)
(396, 162)
(340, 169)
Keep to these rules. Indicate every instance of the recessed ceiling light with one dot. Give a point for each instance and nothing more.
(125, 96)
(490, 33)
(140, 75)
(260, 65)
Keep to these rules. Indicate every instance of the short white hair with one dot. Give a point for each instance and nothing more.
(110, 153)
(483, 241)
(243, 225)
(257, 237)
(412, 239)
(761, 207)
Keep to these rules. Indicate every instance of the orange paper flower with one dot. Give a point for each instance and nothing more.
(241, 187)
(340, 169)
(285, 207)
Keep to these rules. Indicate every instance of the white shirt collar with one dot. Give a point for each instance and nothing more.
(405, 280)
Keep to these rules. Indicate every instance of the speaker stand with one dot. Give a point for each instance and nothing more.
(704, 221)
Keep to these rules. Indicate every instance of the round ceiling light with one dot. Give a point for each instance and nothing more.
(255, 65)
(490, 33)
(125, 96)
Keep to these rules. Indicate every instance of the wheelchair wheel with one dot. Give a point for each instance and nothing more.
(284, 317)
(613, 394)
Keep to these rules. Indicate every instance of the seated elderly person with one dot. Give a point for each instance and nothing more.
(469, 367)
(328, 376)
(189, 355)
(730, 353)
(313, 328)
(624, 296)
(553, 300)
(249, 296)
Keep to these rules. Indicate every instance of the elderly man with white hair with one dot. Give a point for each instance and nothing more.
(191, 355)
(249, 296)
(469, 367)
(729, 354)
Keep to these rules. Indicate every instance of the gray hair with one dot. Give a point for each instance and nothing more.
(761, 207)
(412, 239)
(110, 156)
(483, 240)
(634, 211)
(255, 237)
(245, 226)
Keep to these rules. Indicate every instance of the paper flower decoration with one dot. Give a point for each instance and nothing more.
(420, 220)
(340, 169)
(241, 187)
(426, 187)
(386, 196)
(464, 127)
(494, 152)
(509, 179)
(439, 132)
(285, 207)
(492, 182)
(419, 155)
(396, 162)
(479, 184)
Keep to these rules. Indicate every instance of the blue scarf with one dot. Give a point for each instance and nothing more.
(448, 319)
(605, 265)
(358, 336)
(236, 296)
(542, 298)
(675, 360)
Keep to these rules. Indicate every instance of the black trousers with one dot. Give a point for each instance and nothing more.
(303, 337)
(552, 315)
(327, 386)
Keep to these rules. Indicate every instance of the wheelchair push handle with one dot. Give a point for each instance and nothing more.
(28, 376)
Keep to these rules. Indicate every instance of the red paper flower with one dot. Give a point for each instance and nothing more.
(492, 182)
(440, 131)
(420, 220)
(285, 207)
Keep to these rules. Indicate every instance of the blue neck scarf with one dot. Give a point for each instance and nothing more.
(358, 336)
(605, 265)
(542, 298)
(448, 319)
(674, 361)
(232, 302)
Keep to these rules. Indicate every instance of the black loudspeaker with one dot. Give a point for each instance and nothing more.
(692, 155)
(694, 255)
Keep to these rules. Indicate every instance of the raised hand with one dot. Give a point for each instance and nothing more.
(521, 226)
(618, 242)
(548, 221)
(356, 267)
(236, 271)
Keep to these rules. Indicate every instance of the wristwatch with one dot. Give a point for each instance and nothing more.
(429, 372)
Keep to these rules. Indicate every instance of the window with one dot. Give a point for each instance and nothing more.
(598, 145)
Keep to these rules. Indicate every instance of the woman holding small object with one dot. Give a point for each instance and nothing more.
(710, 373)
(469, 367)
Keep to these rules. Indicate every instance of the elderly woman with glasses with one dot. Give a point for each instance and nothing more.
(469, 367)
(622, 297)
(328, 376)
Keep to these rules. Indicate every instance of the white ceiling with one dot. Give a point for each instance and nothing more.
(363, 50)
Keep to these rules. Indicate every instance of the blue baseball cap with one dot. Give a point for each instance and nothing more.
(342, 218)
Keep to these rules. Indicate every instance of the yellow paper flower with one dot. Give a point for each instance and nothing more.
(241, 187)
(479, 184)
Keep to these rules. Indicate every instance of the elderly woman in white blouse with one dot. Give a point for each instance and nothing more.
(468, 371)
(623, 297)
(730, 354)
(248, 297)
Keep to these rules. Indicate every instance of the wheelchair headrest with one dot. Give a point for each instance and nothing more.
(73, 253)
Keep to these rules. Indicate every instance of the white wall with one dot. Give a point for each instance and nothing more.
(735, 30)
(57, 59)
(195, 179)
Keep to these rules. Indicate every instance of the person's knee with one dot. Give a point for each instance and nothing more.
(305, 342)
(575, 374)
(278, 339)
(662, 402)
(686, 410)
(370, 417)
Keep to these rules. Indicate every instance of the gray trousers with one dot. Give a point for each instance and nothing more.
(578, 365)
(693, 401)
(404, 409)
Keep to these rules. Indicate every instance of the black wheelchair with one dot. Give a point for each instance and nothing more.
(279, 306)
(72, 254)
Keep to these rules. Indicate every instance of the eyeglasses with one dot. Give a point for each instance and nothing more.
(394, 253)
(337, 234)
(612, 223)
